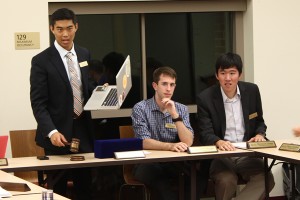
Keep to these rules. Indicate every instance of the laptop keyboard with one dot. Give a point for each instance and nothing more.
(111, 99)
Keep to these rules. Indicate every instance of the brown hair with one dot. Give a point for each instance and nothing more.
(163, 70)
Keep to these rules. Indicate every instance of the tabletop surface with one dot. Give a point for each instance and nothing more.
(63, 161)
(277, 154)
(35, 190)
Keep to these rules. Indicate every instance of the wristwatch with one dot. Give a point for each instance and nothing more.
(178, 119)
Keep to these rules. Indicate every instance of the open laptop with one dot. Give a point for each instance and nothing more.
(3, 144)
(111, 97)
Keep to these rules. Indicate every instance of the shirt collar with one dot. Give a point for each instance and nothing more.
(226, 99)
(63, 52)
(153, 105)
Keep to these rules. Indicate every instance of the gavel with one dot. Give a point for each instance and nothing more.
(74, 145)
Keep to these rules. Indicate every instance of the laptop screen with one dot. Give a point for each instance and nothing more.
(3, 144)
(123, 80)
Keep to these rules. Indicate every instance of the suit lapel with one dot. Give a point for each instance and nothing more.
(81, 57)
(219, 105)
(83, 70)
(58, 63)
(245, 105)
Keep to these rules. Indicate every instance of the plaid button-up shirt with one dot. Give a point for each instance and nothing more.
(149, 122)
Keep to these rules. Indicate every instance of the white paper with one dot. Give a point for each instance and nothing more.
(240, 145)
(129, 154)
(146, 152)
(4, 193)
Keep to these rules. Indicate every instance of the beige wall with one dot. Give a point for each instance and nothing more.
(15, 66)
(271, 32)
(276, 53)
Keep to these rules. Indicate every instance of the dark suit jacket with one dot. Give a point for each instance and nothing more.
(211, 113)
(51, 95)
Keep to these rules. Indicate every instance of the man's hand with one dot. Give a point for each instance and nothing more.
(257, 138)
(169, 105)
(57, 139)
(225, 145)
(179, 147)
(296, 131)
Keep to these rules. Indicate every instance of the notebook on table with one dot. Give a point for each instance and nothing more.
(112, 96)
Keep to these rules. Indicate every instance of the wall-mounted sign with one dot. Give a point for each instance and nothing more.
(27, 40)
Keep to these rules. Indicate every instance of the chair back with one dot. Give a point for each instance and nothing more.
(23, 145)
(127, 132)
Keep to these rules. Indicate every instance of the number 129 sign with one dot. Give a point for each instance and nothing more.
(27, 40)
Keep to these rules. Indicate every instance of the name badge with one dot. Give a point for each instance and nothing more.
(253, 115)
(169, 125)
(83, 64)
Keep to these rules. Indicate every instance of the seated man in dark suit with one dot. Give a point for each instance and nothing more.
(163, 125)
(229, 112)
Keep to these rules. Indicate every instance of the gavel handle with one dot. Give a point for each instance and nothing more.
(67, 143)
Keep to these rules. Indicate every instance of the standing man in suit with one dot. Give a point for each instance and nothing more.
(56, 108)
(229, 112)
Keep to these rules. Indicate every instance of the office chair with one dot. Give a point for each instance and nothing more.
(127, 132)
(23, 145)
(130, 181)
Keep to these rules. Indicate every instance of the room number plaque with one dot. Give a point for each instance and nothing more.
(27, 40)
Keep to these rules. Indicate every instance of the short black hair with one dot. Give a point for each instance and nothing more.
(228, 60)
(63, 14)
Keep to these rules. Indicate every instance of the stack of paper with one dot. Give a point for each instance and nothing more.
(4, 193)
(240, 145)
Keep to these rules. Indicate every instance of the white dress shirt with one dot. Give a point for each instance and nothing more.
(235, 126)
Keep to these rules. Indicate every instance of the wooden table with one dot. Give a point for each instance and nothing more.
(276, 154)
(63, 161)
(35, 192)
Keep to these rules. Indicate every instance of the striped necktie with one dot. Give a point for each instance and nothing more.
(76, 86)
